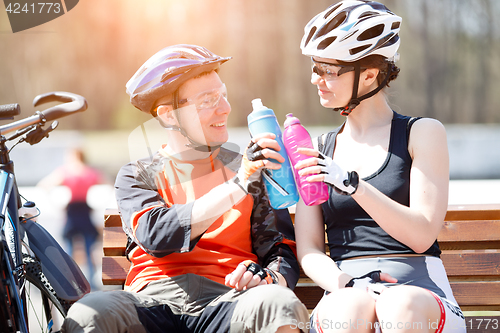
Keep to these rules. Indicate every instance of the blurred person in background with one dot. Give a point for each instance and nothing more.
(78, 177)
(388, 177)
(207, 251)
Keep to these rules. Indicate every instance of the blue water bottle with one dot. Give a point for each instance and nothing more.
(280, 184)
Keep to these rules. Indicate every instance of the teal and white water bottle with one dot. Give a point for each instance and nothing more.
(280, 184)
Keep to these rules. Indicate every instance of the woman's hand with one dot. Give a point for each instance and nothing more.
(370, 282)
(323, 169)
(385, 277)
(372, 277)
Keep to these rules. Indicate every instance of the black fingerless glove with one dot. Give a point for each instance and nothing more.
(371, 277)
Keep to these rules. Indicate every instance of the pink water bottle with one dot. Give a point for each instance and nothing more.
(295, 136)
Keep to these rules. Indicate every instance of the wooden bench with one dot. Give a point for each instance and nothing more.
(470, 241)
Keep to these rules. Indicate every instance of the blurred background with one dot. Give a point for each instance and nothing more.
(449, 71)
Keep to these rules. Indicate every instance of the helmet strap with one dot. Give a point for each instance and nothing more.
(355, 101)
(193, 144)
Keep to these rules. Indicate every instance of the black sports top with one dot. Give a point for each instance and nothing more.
(351, 231)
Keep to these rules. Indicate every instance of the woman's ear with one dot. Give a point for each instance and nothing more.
(370, 76)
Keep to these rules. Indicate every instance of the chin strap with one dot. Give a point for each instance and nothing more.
(193, 144)
(355, 100)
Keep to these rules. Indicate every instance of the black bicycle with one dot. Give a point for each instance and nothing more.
(33, 266)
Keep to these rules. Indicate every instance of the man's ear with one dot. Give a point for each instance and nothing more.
(166, 114)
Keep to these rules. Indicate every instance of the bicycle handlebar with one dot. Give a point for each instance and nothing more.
(72, 103)
(9, 110)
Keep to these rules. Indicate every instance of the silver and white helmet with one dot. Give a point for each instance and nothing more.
(351, 30)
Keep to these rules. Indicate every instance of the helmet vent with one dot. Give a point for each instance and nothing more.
(378, 6)
(333, 24)
(395, 25)
(388, 40)
(334, 8)
(372, 32)
(356, 50)
(391, 39)
(311, 33)
(349, 35)
(326, 42)
(368, 14)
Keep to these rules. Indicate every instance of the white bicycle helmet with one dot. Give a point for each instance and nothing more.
(351, 30)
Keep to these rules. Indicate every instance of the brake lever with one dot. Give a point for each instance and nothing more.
(38, 133)
(20, 132)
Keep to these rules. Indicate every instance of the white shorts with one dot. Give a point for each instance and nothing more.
(421, 271)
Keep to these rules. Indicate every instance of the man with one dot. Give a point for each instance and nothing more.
(208, 252)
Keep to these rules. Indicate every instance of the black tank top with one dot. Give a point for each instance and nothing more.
(351, 231)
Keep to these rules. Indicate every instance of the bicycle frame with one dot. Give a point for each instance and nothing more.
(61, 271)
(12, 237)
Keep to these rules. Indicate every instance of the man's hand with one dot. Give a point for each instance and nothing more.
(247, 275)
(256, 157)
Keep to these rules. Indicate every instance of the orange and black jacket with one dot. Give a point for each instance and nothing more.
(155, 198)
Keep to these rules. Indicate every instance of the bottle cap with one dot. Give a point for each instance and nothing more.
(291, 120)
(257, 105)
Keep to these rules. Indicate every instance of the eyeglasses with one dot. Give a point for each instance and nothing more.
(329, 71)
(207, 99)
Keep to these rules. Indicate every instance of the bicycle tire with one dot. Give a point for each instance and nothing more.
(12, 315)
(8, 310)
(36, 277)
(6, 316)
(41, 312)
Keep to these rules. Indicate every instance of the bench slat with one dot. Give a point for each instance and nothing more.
(477, 293)
(479, 263)
(112, 218)
(116, 270)
(114, 241)
(458, 264)
(469, 245)
(471, 231)
(473, 212)
(455, 212)
(453, 234)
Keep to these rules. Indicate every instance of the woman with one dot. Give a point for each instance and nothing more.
(389, 186)
(78, 177)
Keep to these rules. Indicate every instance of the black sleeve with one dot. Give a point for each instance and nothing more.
(159, 230)
(273, 236)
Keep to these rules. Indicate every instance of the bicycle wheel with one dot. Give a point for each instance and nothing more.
(8, 309)
(41, 298)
